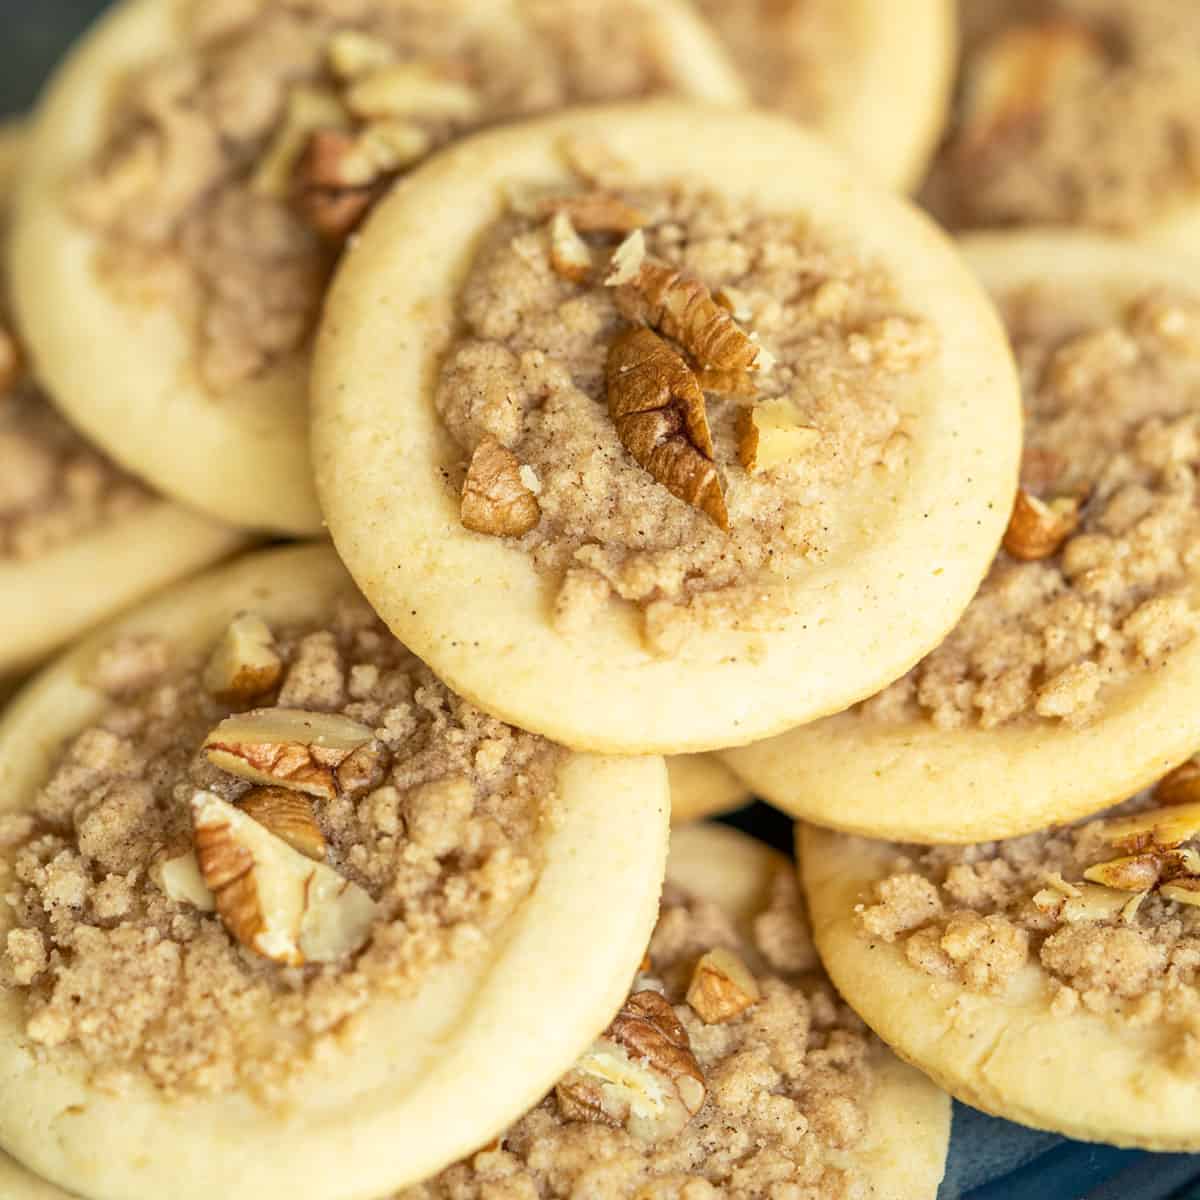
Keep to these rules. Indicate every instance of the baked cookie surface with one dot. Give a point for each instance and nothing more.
(196, 169)
(789, 1095)
(693, 554)
(1080, 646)
(272, 883)
(999, 968)
(702, 786)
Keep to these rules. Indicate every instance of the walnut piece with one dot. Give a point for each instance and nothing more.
(659, 411)
(288, 815)
(569, 253)
(178, 877)
(1180, 786)
(640, 1073)
(593, 212)
(244, 664)
(770, 435)
(721, 987)
(289, 747)
(1036, 529)
(309, 109)
(1019, 75)
(683, 309)
(1154, 828)
(495, 498)
(271, 898)
(322, 198)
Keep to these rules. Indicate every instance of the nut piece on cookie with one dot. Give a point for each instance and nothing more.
(1182, 891)
(178, 876)
(411, 89)
(244, 664)
(722, 987)
(495, 497)
(288, 815)
(640, 1073)
(593, 212)
(271, 898)
(1036, 529)
(1154, 828)
(309, 109)
(1094, 903)
(569, 253)
(1136, 873)
(288, 747)
(769, 435)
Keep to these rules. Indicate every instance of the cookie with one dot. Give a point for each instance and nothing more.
(625, 543)
(1066, 685)
(701, 786)
(19, 1184)
(750, 1075)
(79, 538)
(170, 293)
(277, 893)
(1048, 979)
(1073, 113)
(834, 67)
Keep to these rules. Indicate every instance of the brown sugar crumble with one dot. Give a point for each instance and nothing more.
(416, 838)
(54, 486)
(769, 1103)
(232, 172)
(1106, 909)
(796, 55)
(618, 341)
(1111, 451)
(1079, 112)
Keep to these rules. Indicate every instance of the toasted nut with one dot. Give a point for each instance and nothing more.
(272, 899)
(1137, 873)
(288, 815)
(383, 148)
(1037, 529)
(1182, 891)
(244, 664)
(593, 212)
(734, 302)
(330, 207)
(1154, 828)
(178, 876)
(1094, 903)
(1019, 75)
(495, 498)
(596, 161)
(412, 89)
(10, 361)
(290, 747)
(722, 987)
(728, 383)
(1181, 786)
(308, 109)
(352, 53)
(569, 254)
(626, 261)
(640, 1073)
(1055, 881)
(660, 415)
(769, 436)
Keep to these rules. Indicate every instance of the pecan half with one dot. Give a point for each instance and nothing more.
(495, 498)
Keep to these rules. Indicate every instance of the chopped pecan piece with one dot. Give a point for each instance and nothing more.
(769, 435)
(722, 987)
(569, 254)
(288, 815)
(594, 212)
(1154, 828)
(495, 498)
(244, 664)
(1036, 529)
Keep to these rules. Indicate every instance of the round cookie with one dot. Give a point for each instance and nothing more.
(1072, 113)
(177, 1097)
(922, 763)
(701, 786)
(169, 304)
(1032, 994)
(78, 539)
(648, 628)
(834, 67)
(19, 1184)
(880, 1129)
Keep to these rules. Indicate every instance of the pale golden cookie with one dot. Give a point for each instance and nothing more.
(165, 268)
(701, 786)
(821, 589)
(378, 1098)
(18, 1184)
(834, 66)
(1053, 1007)
(974, 744)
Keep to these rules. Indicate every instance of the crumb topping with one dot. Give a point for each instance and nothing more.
(1105, 909)
(1080, 112)
(150, 883)
(54, 486)
(618, 342)
(796, 55)
(233, 171)
(1109, 472)
(785, 1083)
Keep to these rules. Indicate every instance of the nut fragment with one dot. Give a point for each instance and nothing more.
(272, 899)
(290, 747)
(1094, 903)
(1036, 529)
(722, 987)
(178, 876)
(594, 212)
(1158, 828)
(681, 307)
(244, 664)
(352, 53)
(640, 1073)
(659, 411)
(495, 499)
(330, 207)
(569, 254)
(410, 89)
(1136, 873)
(1182, 891)
(1180, 786)
(1020, 74)
(288, 815)
(626, 260)
(308, 110)
(770, 435)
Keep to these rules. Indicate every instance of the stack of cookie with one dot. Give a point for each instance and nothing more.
(667, 456)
